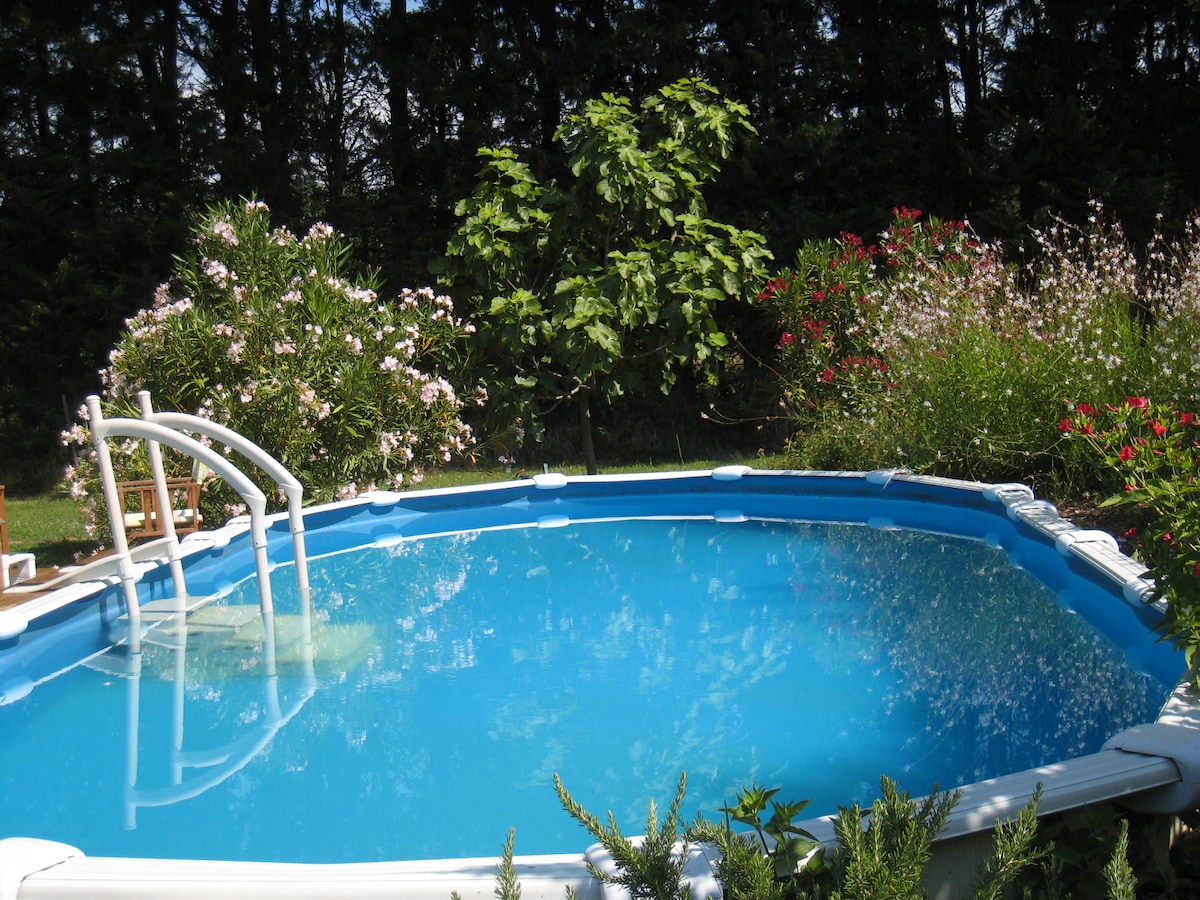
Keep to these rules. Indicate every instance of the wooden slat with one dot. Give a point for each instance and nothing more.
(9, 599)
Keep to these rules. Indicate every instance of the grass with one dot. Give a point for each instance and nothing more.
(50, 527)
(457, 476)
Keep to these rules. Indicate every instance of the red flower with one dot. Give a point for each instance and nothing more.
(1084, 409)
(1158, 428)
(1187, 418)
(1137, 402)
(772, 287)
(784, 339)
(828, 375)
(1127, 453)
(1196, 571)
(1065, 425)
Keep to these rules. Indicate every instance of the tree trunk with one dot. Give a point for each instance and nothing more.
(583, 401)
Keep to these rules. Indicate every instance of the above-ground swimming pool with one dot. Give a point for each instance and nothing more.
(806, 631)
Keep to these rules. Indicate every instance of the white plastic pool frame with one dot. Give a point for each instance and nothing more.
(1152, 768)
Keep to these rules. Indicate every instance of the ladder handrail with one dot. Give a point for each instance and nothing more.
(102, 429)
(291, 486)
(224, 434)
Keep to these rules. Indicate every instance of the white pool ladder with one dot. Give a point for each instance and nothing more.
(168, 428)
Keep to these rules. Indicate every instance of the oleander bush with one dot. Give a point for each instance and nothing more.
(1152, 450)
(271, 335)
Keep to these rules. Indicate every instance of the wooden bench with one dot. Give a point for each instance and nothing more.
(139, 507)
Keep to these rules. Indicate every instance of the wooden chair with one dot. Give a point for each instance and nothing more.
(139, 507)
(24, 564)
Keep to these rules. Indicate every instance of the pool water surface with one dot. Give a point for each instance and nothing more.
(423, 703)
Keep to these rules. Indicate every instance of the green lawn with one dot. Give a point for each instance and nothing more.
(50, 526)
(458, 476)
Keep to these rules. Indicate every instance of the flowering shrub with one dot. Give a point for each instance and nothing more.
(969, 357)
(852, 312)
(1154, 448)
(817, 304)
(264, 332)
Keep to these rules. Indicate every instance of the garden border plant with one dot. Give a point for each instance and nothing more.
(930, 350)
(878, 852)
(1153, 450)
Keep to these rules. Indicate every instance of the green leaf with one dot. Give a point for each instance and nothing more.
(605, 337)
(790, 852)
(751, 803)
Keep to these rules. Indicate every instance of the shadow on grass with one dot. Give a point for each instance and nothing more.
(60, 553)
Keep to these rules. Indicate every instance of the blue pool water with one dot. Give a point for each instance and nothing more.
(465, 649)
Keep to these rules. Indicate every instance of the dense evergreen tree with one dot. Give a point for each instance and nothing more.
(92, 192)
(1102, 101)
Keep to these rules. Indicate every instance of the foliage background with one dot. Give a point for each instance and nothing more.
(119, 119)
(610, 280)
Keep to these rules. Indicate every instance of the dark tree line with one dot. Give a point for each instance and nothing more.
(120, 118)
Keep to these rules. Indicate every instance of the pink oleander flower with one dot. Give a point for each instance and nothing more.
(319, 232)
(225, 233)
(218, 272)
